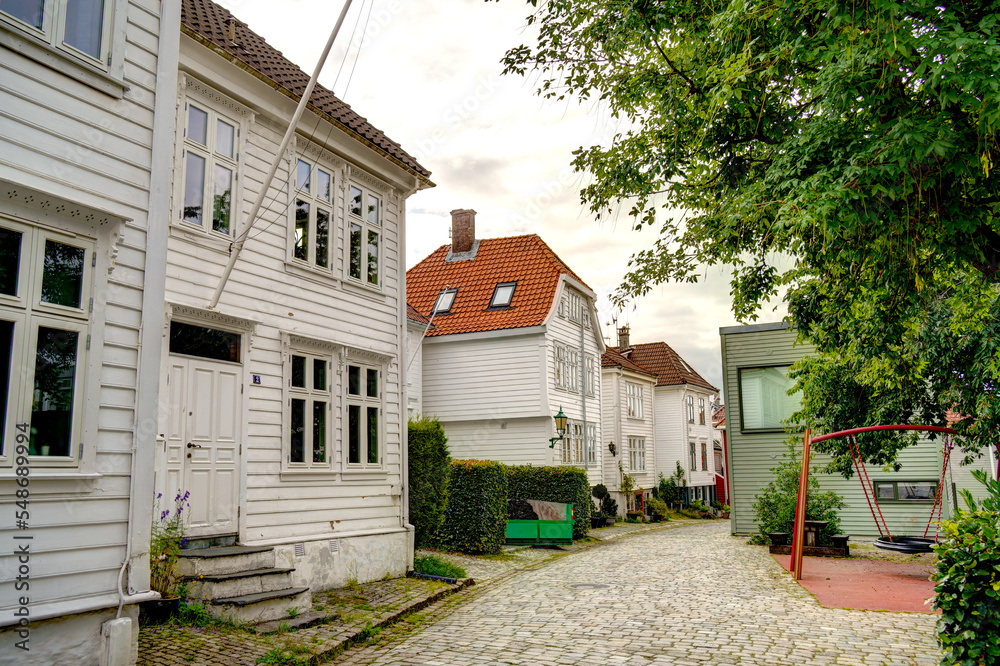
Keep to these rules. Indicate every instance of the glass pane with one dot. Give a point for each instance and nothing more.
(764, 400)
(298, 371)
(62, 274)
(84, 24)
(197, 125)
(323, 184)
(10, 260)
(353, 380)
(52, 403)
(301, 230)
(6, 350)
(502, 295)
(355, 205)
(372, 257)
(194, 188)
(356, 251)
(302, 176)
(373, 209)
(322, 238)
(354, 434)
(319, 432)
(29, 11)
(319, 374)
(917, 491)
(204, 342)
(373, 435)
(225, 135)
(885, 491)
(298, 428)
(223, 199)
(372, 383)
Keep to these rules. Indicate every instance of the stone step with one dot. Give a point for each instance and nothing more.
(262, 606)
(224, 560)
(252, 581)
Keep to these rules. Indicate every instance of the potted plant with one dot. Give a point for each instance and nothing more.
(597, 517)
(165, 543)
(609, 507)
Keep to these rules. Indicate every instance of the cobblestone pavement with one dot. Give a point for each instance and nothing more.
(681, 596)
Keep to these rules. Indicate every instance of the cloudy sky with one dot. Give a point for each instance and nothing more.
(428, 74)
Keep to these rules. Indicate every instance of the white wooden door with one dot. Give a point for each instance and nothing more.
(203, 442)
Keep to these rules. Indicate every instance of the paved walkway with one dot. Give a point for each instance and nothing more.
(682, 596)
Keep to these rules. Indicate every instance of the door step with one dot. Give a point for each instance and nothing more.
(198, 543)
(262, 606)
(251, 581)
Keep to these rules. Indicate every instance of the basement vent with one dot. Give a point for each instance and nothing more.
(300, 550)
(334, 546)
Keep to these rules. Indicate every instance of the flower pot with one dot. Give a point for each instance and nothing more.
(609, 521)
(157, 611)
(596, 521)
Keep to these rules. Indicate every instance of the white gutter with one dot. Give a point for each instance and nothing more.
(241, 238)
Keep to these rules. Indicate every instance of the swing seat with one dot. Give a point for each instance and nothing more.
(905, 544)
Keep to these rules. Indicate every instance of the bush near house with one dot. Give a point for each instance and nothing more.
(568, 485)
(428, 467)
(475, 520)
(968, 581)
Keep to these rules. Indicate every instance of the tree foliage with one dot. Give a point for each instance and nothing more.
(858, 139)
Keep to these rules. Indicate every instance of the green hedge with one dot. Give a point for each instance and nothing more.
(476, 518)
(968, 581)
(554, 484)
(428, 468)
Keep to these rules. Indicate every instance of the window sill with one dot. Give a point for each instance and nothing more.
(371, 293)
(50, 482)
(364, 474)
(212, 241)
(51, 57)
(315, 275)
(308, 475)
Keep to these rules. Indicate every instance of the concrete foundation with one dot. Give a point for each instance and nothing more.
(361, 559)
(81, 640)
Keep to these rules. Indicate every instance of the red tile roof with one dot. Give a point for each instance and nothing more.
(208, 23)
(526, 260)
(413, 315)
(667, 364)
(719, 417)
(612, 359)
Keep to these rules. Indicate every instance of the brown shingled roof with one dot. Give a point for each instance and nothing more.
(526, 260)
(612, 359)
(207, 22)
(667, 364)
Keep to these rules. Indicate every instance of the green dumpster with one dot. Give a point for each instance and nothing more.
(536, 522)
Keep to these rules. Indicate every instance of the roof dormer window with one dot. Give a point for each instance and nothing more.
(445, 300)
(503, 294)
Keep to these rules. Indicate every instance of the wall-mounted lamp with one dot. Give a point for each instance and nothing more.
(560, 428)
(612, 449)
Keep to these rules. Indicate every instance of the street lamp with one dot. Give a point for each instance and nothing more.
(560, 428)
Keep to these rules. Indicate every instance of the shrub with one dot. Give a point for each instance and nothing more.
(554, 484)
(428, 468)
(435, 566)
(671, 489)
(657, 509)
(774, 509)
(475, 520)
(599, 492)
(968, 581)
(609, 507)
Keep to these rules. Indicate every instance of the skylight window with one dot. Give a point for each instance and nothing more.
(503, 294)
(445, 300)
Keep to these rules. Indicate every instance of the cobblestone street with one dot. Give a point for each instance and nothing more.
(694, 595)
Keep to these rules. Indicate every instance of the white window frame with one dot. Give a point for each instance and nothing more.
(693, 455)
(364, 401)
(701, 411)
(634, 400)
(211, 157)
(310, 395)
(575, 306)
(559, 356)
(592, 443)
(637, 454)
(572, 369)
(367, 228)
(579, 444)
(28, 313)
(312, 197)
(689, 400)
(704, 456)
(591, 374)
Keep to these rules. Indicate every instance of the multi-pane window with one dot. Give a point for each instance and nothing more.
(309, 390)
(81, 28)
(633, 400)
(592, 443)
(704, 457)
(690, 408)
(45, 304)
(560, 366)
(579, 444)
(210, 169)
(364, 409)
(591, 375)
(701, 411)
(572, 369)
(312, 233)
(764, 400)
(693, 457)
(364, 223)
(637, 454)
(906, 490)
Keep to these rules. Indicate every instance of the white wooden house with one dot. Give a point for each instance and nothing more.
(87, 100)
(417, 325)
(515, 340)
(283, 409)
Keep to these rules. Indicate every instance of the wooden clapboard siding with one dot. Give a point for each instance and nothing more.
(513, 441)
(61, 138)
(619, 426)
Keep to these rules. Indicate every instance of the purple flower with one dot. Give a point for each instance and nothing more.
(184, 542)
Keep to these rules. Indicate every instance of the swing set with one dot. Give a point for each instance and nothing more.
(886, 541)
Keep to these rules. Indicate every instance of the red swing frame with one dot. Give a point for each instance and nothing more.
(798, 530)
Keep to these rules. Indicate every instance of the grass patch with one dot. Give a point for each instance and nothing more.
(435, 566)
(286, 655)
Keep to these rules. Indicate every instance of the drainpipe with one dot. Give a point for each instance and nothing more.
(583, 397)
(404, 472)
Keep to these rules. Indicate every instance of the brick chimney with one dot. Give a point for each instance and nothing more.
(463, 230)
(623, 337)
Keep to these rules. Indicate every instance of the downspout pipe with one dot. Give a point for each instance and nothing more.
(241, 238)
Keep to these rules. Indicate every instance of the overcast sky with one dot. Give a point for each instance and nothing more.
(428, 75)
